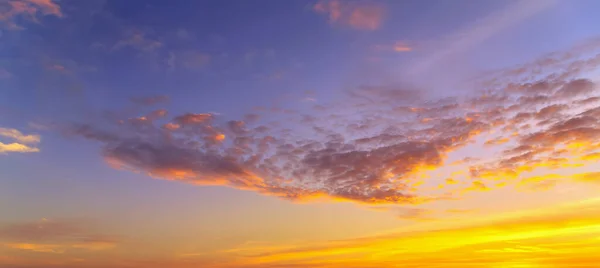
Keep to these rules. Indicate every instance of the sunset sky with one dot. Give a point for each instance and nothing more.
(299, 133)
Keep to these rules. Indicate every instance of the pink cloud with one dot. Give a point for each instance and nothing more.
(28, 9)
(358, 16)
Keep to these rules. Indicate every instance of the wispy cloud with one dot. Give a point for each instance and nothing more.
(398, 46)
(138, 39)
(51, 236)
(360, 16)
(476, 33)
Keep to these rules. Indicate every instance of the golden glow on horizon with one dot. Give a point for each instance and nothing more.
(535, 238)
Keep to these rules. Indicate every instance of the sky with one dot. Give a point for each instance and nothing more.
(313, 133)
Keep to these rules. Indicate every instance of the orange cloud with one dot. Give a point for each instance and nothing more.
(46, 248)
(355, 15)
(497, 141)
(191, 119)
(171, 126)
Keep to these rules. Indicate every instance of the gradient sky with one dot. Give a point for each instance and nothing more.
(289, 133)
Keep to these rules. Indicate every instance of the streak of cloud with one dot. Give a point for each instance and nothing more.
(478, 32)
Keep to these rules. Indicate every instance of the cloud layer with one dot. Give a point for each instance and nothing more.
(380, 157)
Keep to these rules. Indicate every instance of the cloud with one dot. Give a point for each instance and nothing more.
(497, 141)
(359, 16)
(138, 39)
(17, 148)
(255, 161)
(18, 136)
(382, 156)
(193, 119)
(50, 236)
(401, 47)
(575, 88)
(398, 47)
(23, 142)
(26, 9)
(45, 248)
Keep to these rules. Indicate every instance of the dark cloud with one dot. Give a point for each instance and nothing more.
(550, 111)
(576, 88)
